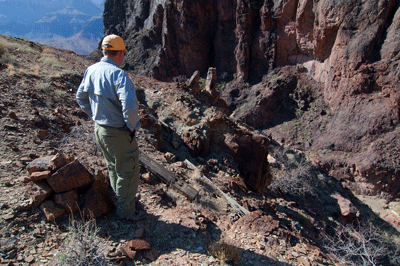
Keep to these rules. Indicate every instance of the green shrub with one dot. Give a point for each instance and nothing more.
(56, 66)
(49, 61)
(43, 86)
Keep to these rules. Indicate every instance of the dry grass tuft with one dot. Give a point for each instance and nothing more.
(2, 50)
(225, 252)
(82, 246)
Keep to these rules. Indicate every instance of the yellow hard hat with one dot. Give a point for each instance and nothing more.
(114, 43)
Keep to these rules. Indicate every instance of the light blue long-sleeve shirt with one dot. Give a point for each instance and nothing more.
(108, 95)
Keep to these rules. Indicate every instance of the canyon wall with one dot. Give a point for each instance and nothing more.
(350, 48)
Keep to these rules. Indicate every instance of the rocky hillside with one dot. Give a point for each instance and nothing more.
(240, 216)
(319, 76)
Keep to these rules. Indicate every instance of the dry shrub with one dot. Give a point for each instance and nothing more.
(292, 174)
(365, 245)
(82, 246)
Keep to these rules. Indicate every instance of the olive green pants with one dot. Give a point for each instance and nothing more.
(121, 153)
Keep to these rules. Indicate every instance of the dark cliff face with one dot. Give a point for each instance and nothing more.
(350, 49)
(173, 38)
(248, 39)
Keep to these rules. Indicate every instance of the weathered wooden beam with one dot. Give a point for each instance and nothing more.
(166, 176)
(233, 203)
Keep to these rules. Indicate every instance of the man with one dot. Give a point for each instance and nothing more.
(108, 95)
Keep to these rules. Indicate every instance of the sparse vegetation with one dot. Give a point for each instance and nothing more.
(49, 61)
(20, 47)
(56, 66)
(5, 56)
(220, 86)
(363, 245)
(43, 86)
(2, 50)
(82, 246)
(202, 83)
(60, 93)
(294, 175)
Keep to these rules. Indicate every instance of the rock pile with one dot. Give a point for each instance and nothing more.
(60, 184)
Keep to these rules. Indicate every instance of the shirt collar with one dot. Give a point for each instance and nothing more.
(108, 60)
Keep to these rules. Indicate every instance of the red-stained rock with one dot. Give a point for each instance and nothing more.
(51, 210)
(251, 154)
(39, 164)
(139, 245)
(391, 217)
(151, 255)
(95, 205)
(38, 192)
(59, 160)
(72, 175)
(36, 176)
(193, 83)
(256, 222)
(347, 209)
(129, 251)
(69, 200)
(42, 134)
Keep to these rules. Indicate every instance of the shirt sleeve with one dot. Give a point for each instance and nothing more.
(82, 97)
(130, 107)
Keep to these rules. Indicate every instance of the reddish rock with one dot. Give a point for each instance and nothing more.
(38, 192)
(151, 255)
(197, 140)
(249, 150)
(139, 233)
(36, 176)
(69, 200)
(128, 251)
(139, 245)
(95, 204)
(238, 184)
(39, 164)
(391, 217)
(25, 159)
(153, 126)
(12, 115)
(251, 154)
(51, 210)
(99, 199)
(59, 160)
(72, 175)
(256, 222)
(211, 83)
(42, 134)
(347, 208)
(193, 83)
(147, 178)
